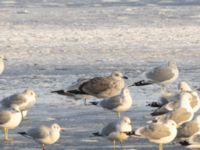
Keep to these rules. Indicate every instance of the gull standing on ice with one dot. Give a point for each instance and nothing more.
(102, 87)
(10, 119)
(75, 87)
(116, 131)
(159, 133)
(44, 135)
(24, 100)
(119, 103)
(162, 75)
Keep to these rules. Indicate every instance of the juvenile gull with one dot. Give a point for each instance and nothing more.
(2, 59)
(116, 131)
(44, 135)
(119, 103)
(102, 87)
(189, 129)
(75, 87)
(24, 100)
(162, 75)
(10, 119)
(159, 133)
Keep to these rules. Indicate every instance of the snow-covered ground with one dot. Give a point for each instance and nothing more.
(51, 43)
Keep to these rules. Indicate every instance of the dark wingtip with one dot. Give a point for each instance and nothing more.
(130, 133)
(184, 143)
(59, 92)
(94, 103)
(22, 133)
(154, 104)
(96, 134)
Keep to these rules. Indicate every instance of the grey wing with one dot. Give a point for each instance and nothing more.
(111, 127)
(160, 74)
(38, 133)
(156, 131)
(13, 99)
(4, 117)
(112, 103)
(97, 85)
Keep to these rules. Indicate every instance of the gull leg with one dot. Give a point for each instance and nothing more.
(5, 134)
(114, 145)
(85, 103)
(43, 147)
(118, 114)
(122, 147)
(160, 146)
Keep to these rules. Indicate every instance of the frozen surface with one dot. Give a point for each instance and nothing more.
(51, 43)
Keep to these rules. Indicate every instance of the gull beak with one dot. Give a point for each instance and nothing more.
(62, 129)
(125, 77)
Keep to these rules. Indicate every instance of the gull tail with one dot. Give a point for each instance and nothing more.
(142, 83)
(96, 134)
(68, 93)
(130, 133)
(23, 134)
(154, 104)
(94, 103)
(184, 143)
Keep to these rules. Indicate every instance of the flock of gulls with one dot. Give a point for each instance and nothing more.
(172, 120)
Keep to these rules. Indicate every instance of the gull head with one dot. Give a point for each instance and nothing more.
(126, 120)
(171, 123)
(30, 93)
(125, 91)
(172, 64)
(118, 75)
(184, 87)
(56, 127)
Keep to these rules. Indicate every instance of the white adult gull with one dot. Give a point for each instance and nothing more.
(162, 75)
(44, 135)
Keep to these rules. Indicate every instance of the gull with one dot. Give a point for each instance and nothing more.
(116, 131)
(162, 75)
(102, 87)
(75, 87)
(10, 119)
(184, 113)
(192, 142)
(2, 66)
(44, 135)
(189, 129)
(119, 103)
(159, 132)
(24, 100)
